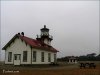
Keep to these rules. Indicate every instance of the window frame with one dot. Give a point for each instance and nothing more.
(9, 56)
(34, 56)
(25, 56)
(42, 56)
(49, 57)
(55, 57)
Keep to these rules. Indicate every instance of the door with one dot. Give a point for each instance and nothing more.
(17, 58)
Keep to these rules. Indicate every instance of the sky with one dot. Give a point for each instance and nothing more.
(74, 25)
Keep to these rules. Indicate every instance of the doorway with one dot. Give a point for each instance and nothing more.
(17, 59)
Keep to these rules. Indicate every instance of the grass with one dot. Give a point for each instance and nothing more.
(67, 69)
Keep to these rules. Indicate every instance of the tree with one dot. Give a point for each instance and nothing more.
(91, 55)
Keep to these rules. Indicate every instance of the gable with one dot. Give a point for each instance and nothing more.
(9, 43)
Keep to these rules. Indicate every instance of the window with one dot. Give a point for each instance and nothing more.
(49, 57)
(34, 56)
(55, 58)
(71, 60)
(9, 56)
(42, 56)
(24, 56)
(15, 57)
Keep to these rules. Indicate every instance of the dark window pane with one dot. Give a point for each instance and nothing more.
(42, 56)
(9, 56)
(34, 56)
(24, 56)
(55, 58)
(15, 57)
(49, 57)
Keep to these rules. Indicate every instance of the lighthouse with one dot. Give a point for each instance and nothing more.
(45, 37)
(23, 50)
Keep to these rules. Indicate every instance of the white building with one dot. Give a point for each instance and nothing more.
(21, 50)
(72, 60)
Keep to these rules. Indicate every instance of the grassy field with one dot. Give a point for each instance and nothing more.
(63, 69)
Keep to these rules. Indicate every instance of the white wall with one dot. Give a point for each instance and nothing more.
(38, 60)
(18, 46)
(47, 42)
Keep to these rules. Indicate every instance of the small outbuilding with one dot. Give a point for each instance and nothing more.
(72, 60)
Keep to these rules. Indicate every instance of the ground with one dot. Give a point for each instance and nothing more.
(65, 69)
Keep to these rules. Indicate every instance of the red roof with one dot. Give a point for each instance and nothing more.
(32, 42)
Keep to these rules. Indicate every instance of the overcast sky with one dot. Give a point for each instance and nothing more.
(74, 25)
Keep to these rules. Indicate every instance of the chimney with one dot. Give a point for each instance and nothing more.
(22, 33)
(18, 33)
